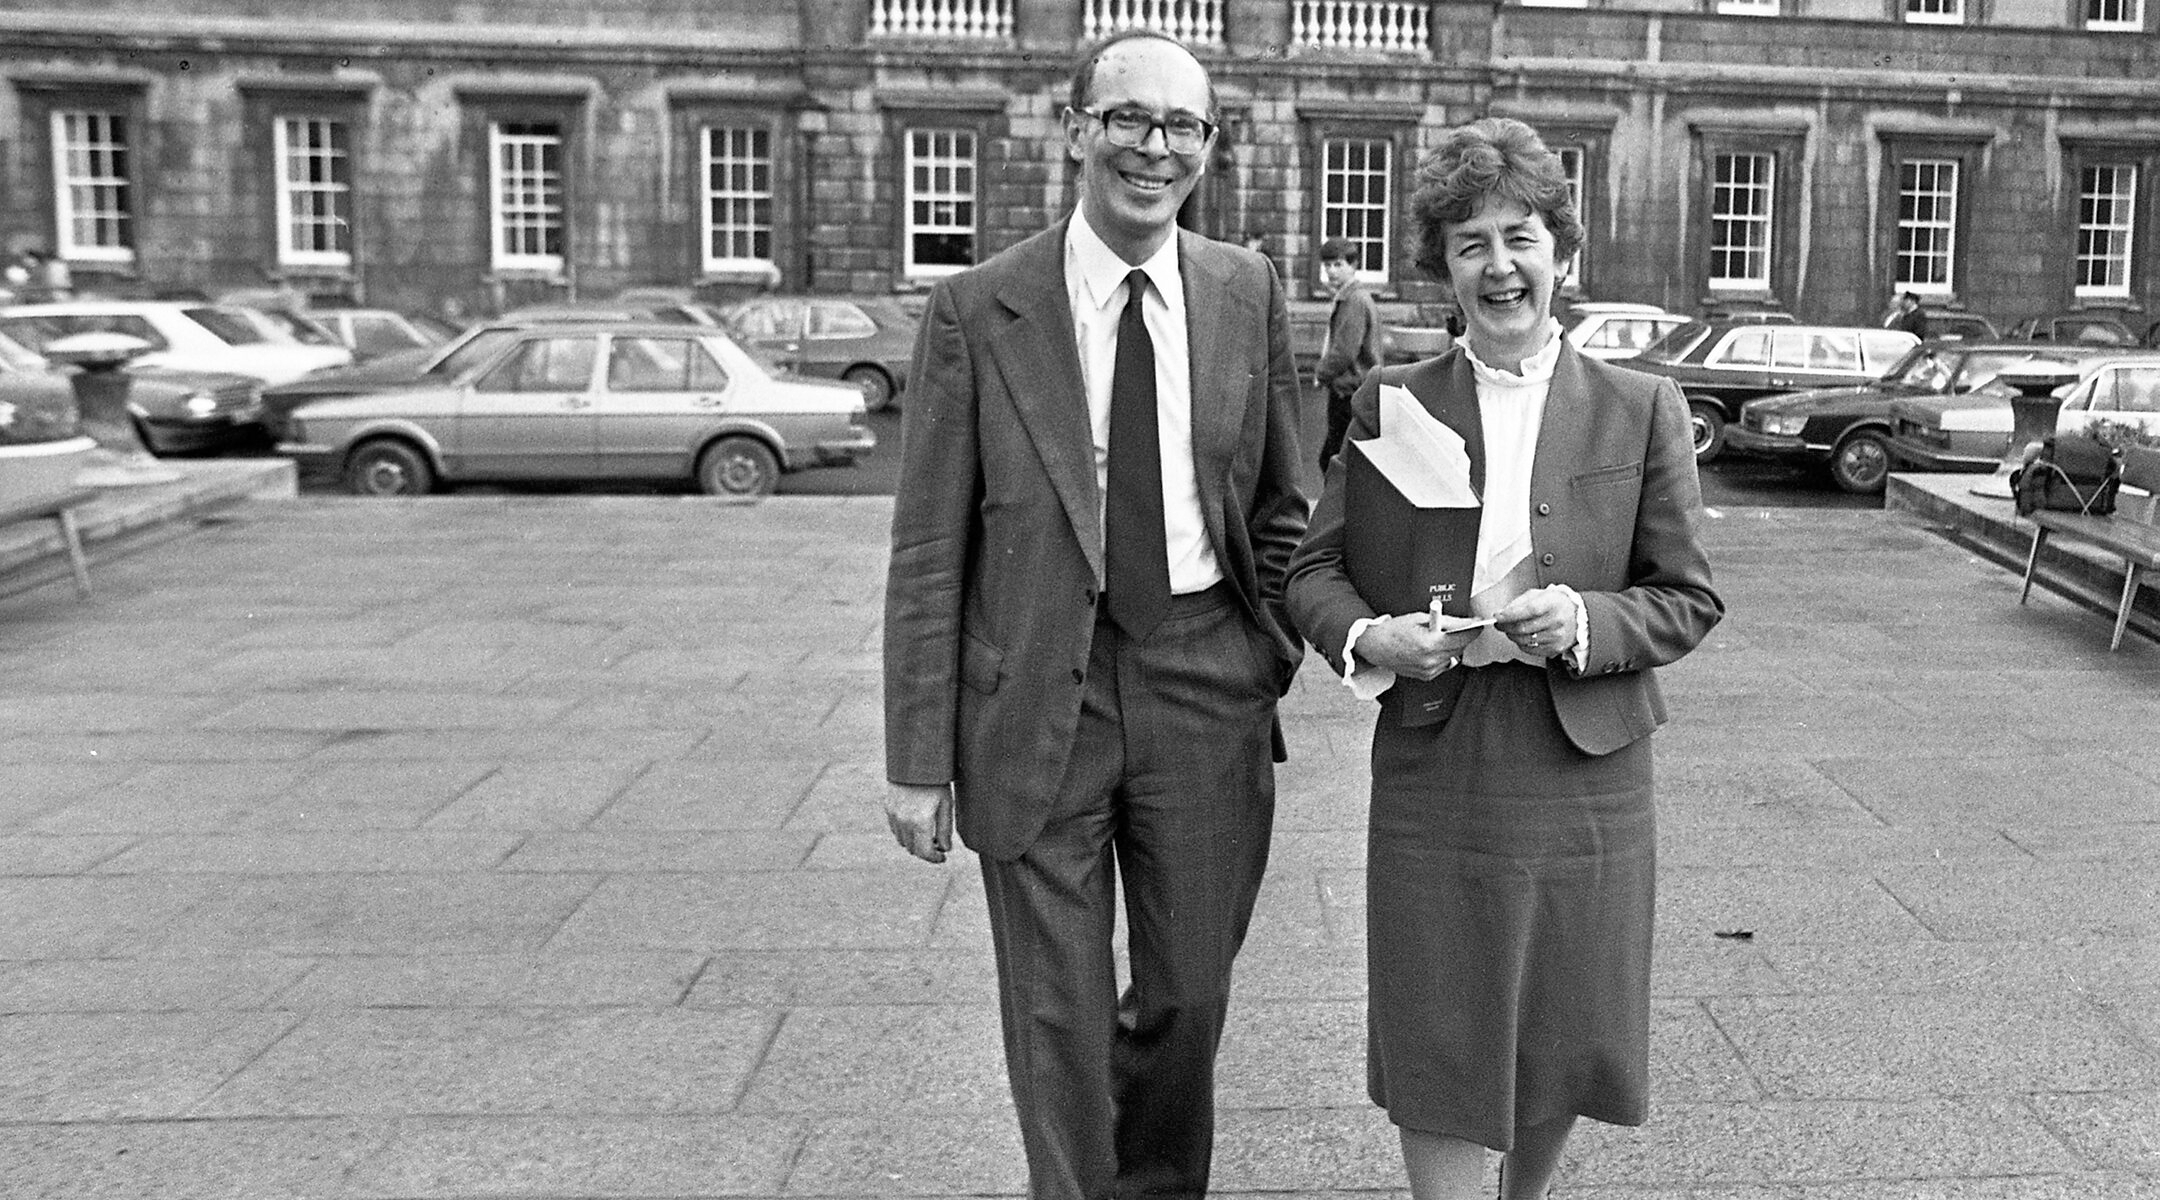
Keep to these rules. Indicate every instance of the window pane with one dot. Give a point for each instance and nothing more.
(647, 364)
(314, 191)
(93, 197)
(738, 203)
(1355, 186)
(2107, 217)
(1927, 225)
(1741, 197)
(940, 201)
(528, 195)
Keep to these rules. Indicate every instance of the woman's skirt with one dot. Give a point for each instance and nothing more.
(1510, 882)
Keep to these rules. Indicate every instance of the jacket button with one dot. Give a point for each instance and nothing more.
(1547, 560)
(1079, 676)
(1544, 510)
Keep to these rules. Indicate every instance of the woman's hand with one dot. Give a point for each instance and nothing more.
(1541, 622)
(1410, 646)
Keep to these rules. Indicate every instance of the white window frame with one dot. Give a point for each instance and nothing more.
(2132, 19)
(1927, 232)
(1756, 220)
(91, 194)
(939, 170)
(2114, 230)
(1573, 162)
(525, 195)
(736, 183)
(314, 190)
(1356, 197)
(1934, 12)
(1748, 8)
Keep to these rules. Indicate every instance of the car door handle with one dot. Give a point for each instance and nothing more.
(1782, 383)
(576, 402)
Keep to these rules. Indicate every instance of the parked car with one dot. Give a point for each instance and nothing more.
(867, 341)
(587, 400)
(1970, 431)
(1943, 325)
(1721, 365)
(2119, 389)
(2097, 329)
(174, 411)
(1847, 429)
(1613, 329)
(374, 332)
(182, 335)
(665, 312)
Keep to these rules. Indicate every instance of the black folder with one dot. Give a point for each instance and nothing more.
(1401, 558)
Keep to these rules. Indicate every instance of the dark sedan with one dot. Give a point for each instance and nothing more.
(863, 340)
(1724, 363)
(1847, 429)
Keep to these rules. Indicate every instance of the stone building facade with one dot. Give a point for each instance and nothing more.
(1997, 155)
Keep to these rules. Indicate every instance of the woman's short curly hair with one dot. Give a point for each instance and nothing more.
(1496, 156)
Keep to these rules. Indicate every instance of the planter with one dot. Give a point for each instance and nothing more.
(41, 469)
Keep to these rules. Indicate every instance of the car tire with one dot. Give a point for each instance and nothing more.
(874, 384)
(1861, 462)
(388, 467)
(738, 466)
(1707, 423)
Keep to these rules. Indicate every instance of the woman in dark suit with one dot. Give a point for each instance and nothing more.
(1510, 863)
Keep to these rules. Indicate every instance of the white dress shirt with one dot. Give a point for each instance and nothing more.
(1095, 286)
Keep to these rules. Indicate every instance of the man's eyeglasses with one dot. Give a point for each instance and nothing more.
(1183, 133)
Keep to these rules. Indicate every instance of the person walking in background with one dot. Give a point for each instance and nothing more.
(1353, 340)
(1906, 314)
(1512, 841)
(1084, 632)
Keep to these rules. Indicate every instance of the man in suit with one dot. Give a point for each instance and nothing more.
(1084, 632)
(1353, 341)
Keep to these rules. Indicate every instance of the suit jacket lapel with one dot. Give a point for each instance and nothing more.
(1220, 391)
(1563, 437)
(1040, 366)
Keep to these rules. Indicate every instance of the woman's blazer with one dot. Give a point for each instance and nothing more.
(1615, 505)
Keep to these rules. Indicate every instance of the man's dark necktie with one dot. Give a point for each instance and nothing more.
(1136, 556)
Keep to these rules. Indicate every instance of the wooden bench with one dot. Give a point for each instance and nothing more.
(2132, 533)
(60, 509)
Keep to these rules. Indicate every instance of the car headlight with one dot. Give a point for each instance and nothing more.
(199, 405)
(1786, 424)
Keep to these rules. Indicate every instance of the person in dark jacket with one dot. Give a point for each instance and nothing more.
(1908, 316)
(1353, 341)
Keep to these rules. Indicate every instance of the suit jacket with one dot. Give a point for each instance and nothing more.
(1353, 342)
(997, 531)
(1614, 508)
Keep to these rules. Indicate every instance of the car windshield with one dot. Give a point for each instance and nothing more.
(475, 351)
(297, 328)
(1676, 343)
(229, 326)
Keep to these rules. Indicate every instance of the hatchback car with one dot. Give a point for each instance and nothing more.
(1847, 429)
(1612, 329)
(866, 341)
(1971, 431)
(1721, 365)
(181, 335)
(2098, 329)
(587, 402)
(173, 411)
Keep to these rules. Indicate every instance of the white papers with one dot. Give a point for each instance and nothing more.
(1419, 454)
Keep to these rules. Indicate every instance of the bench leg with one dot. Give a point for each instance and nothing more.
(2032, 559)
(2131, 572)
(72, 537)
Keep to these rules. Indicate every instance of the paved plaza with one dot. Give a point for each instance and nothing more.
(531, 847)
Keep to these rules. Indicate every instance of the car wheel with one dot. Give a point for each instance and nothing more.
(874, 384)
(738, 466)
(388, 468)
(1707, 422)
(1861, 462)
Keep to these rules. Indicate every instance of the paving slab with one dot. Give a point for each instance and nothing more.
(530, 846)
